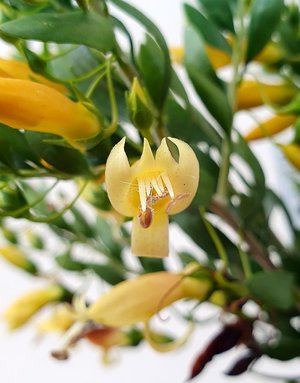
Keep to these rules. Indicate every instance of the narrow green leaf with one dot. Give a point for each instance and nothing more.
(80, 28)
(189, 125)
(208, 30)
(274, 289)
(152, 69)
(264, 18)
(14, 150)
(151, 265)
(206, 83)
(66, 160)
(106, 272)
(287, 348)
(220, 12)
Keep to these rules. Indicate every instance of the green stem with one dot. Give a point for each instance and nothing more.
(222, 187)
(18, 212)
(60, 213)
(245, 263)
(113, 103)
(237, 58)
(215, 238)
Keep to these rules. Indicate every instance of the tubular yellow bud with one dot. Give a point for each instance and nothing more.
(19, 70)
(217, 57)
(22, 310)
(37, 107)
(17, 258)
(252, 93)
(270, 54)
(139, 299)
(292, 153)
(272, 126)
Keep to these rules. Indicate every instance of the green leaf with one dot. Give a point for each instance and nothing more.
(151, 265)
(65, 261)
(14, 150)
(273, 288)
(286, 349)
(104, 232)
(188, 124)
(66, 160)
(206, 83)
(154, 32)
(264, 18)
(208, 30)
(241, 148)
(152, 70)
(81, 28)
(106, 272)
(209, 173)
(220, 12)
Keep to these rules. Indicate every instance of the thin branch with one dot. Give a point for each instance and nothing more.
(256, 250)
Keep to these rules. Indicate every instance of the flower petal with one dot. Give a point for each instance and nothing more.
(184, 175)
(118, 179)
(136, 300)
(152, 241)
(146, 163)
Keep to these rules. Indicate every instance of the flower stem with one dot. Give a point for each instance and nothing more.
(237, 59)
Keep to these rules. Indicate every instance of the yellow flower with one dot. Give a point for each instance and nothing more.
(19, 70)
(253, 93)
(292, 153)
(31, 106)
(150, 190)
(62, 318)
(17, 258)
(137, 300)
(29, 304)
(272, 126)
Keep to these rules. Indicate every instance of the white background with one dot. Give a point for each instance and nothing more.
(23, 359)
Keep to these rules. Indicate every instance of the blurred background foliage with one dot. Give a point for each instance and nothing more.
(238, 57)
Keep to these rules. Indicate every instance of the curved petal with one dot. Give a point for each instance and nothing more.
(152, 241)
(118, 179)
(184, 175)
(146, 163)
(136, 300)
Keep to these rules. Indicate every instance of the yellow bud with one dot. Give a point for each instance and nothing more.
(29, 304)
(272, 126)
(292, 153)
(217, 57)
(270, 54)
(252, 93)
(37, 107)
(17, 258)
(139, 107)
(19, 70)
